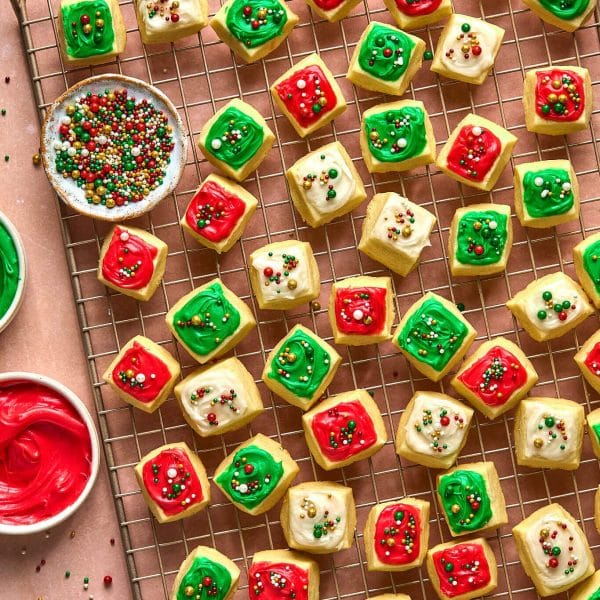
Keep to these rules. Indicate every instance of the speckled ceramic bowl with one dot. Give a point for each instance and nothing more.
(73, 400)
(68, 190)
(15, 304)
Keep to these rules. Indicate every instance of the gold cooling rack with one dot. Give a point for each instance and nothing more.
(200, 74)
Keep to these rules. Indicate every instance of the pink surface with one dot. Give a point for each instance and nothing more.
(44, 338)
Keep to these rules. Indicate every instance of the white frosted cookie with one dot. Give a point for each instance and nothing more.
(480, 239)
(549, 433)
(253, 29)
(308, 95)
(256, 474)
(173, 482)
(361, 310)
(471, 499)
(397, 136)
(570, 15)
(414, 14)
(344, 429)
(236, 139)
(132, 261)
(396, 535)
(90, 31)
(557, 99)
(467, 49)
(546, 193)
(319, 517)
(462, 570)
(142, 374)
(385, 59)
(433, 335)
(206, 572)
(586, 257)
(588, 360)
(325, 184)
(284, 275)
(476, 152)
(495, 377)
(553, 550)
(219, 398)
(283, 573)
(433, 429)
(395, 232)
(161, 22)
(550, 306)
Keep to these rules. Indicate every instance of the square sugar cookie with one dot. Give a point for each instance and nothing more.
(142, 374)
(550, 306)
(283, 573)
(549, 433)
(361, 310)
(284, 275)
(332, 10)
(586, 256)
(210, 320)
(495, 377)
(173, 482)
(253, 30)
(557, 100)
(588, 590)
(219, 398)
(132, 261)
(325, 184)
(397, 136)
(396, 535)
(471, 499)
(433, 429)
(319, 517)
(344, 429)
(553, 571)
(597, 509)
(476, 152)
(161, 22)
(236, 139)
(90, 31)
(395, 231)
(473, 573)
(569, 16)
(308, 95)
(546, 193)
(588, 360)
(202, 564)
(409, 14)
(593, 427)
(300, 367)
(467, 49)
(480, 240)
(433, 336)
(218, 213)
(385, 59)
(256, 475)
(390, 597)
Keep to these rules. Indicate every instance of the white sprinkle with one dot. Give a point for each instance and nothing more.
(102, 139)
(566, 186)
(171, 472)
(140, 378)
(71, 151)
(243, 488)
(539, 181)
(402, 143)
(358, 315)
(85, 152)
(216, 144)
(492, 224)
(124, 236)
(57, 145)
(135, 151)
(300, 84)
(477, 131)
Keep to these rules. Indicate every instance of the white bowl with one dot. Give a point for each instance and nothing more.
(79, 406)
(68, 190)
(16, 303)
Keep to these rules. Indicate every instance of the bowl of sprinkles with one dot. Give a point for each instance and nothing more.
(49, 453)
(12, 271)
(113, 147)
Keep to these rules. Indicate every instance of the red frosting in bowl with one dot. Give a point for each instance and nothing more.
(45, 453)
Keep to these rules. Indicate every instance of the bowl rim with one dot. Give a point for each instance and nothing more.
(18, 299)
(79, 406)
(83, 209)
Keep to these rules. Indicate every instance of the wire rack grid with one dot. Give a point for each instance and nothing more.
(200, 74)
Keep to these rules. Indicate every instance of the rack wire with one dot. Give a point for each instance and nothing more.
(200, 74)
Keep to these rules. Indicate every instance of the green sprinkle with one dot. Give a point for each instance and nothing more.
(67, 574)
(428, 55)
